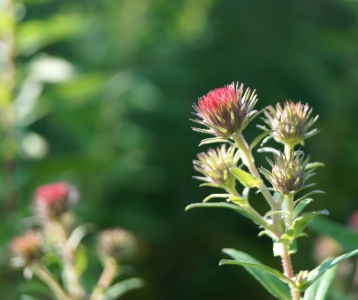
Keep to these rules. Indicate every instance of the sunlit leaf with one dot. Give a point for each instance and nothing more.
(273, 285)
(245, 178)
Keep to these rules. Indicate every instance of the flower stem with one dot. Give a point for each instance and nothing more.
(253, 212)
(249, 162)
(44, 274)
(288, 271)
(109, 271)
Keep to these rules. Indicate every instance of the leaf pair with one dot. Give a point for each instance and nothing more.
(316, 282)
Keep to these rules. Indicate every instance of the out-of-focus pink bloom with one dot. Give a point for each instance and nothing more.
(26, 247)
(353, 221)
(53, 199)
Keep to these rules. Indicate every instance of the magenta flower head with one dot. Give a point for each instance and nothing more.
(26, 248)
(53, 199)
(290, 124)
(226, 110)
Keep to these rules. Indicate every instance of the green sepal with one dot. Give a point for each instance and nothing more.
(347, 237)
(314, 165)
(319, 290)
(272, 284)
(258, 139)
(316, 273)
(215, 140)
(245, 178)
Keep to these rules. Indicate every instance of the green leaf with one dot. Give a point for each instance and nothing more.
(319, 290)
(298, 226)
(215, 140)
(274, 285)
(212, 196)
(245, 178)
(270, 281)
(316, 273)
(343, 235)
(305, 196)
(300, 206)
(258, 139)
(122, 287)
(234, 207)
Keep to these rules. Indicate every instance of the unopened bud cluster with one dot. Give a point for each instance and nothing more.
(116, 242)
(27, 247)
(290, 125)
(215, 165)
(288, 173)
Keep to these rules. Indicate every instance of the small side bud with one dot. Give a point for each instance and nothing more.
(291, 123)
(116, 242)
(288, 174)
(215, 165)
(226, 110)
(53, 199)
(26, 248)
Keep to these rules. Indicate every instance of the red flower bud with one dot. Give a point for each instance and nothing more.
(53, 199)
(226, 110)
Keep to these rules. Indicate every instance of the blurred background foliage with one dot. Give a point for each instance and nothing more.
(103, 94)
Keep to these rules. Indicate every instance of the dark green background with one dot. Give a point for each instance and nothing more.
(120, 130)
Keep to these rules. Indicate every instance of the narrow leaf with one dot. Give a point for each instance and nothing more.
(212, 196)
(300, 206)
(268, 149)
(259, 271)
(298, 226)
(316, 273)
(234, 207)
(245, 178)
(319, 290)
(305, 196)
(258, 139)
(343, 235)
(122, 287)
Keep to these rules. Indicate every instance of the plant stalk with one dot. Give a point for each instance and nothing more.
(41, 272)
(105, 280)
(288, 271)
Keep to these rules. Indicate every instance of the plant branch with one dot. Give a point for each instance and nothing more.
(105, 280)
(44, 274)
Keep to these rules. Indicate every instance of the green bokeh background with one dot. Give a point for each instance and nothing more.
(119, 127)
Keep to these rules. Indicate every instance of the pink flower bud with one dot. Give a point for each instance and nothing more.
(53, 199)
(226, 110)
(26, 247)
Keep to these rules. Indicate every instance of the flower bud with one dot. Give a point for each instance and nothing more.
(291, 123)
(116, 242)
(226, 110)
(215, 165)
(288, 172)
(26, 248)
(53, 199)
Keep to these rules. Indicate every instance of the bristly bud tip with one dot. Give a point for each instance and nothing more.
(290, 124)
(226, 110)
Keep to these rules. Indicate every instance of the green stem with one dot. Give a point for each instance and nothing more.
(256, 216)
(70, 275)
(105, 280)
(44, 274)
(289, 209)
(249, 162)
